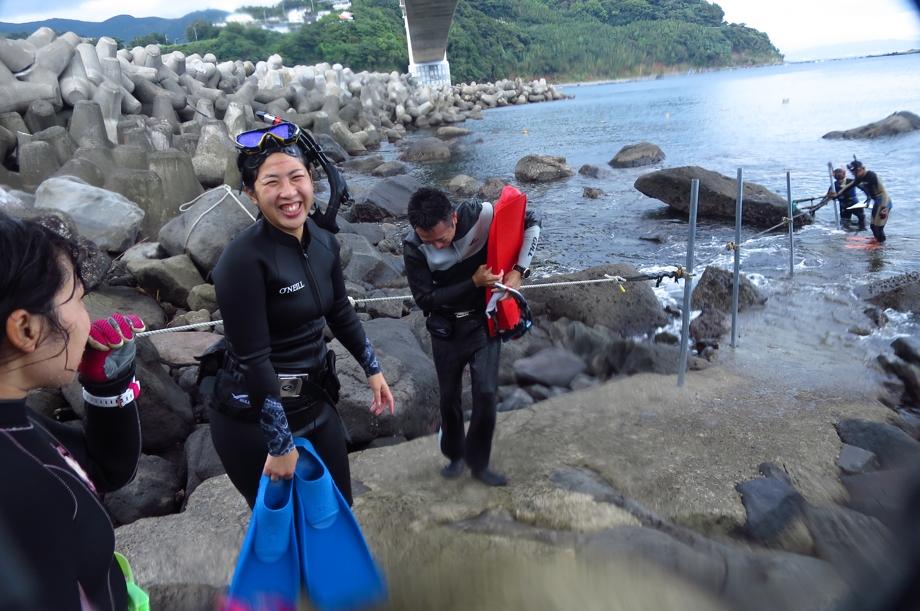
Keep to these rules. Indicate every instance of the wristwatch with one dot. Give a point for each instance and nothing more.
(524, 271)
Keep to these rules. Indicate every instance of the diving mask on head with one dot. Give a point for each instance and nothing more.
(254, 146)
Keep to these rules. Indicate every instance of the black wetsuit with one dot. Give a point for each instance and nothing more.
(847, 199)
(276, 295)
(870, 184)
(50, 478)
(442, 284)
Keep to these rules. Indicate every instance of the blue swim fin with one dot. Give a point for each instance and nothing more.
(338, 569)
(267, 575)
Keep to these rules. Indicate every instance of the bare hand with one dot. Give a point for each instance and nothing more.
(512, 280)
(485, 277)
(382, 395)
(277, 467)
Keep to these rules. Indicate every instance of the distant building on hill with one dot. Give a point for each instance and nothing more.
(236, 18)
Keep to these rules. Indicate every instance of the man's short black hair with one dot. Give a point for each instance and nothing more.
(428, 207)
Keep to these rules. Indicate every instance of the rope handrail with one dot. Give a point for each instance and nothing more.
(676, 274)
(187, 206)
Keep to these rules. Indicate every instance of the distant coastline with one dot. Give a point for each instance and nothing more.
(675, 73)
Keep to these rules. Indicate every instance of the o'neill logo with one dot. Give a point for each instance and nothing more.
(292, 288)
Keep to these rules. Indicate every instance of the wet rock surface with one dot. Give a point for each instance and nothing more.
(717, 198)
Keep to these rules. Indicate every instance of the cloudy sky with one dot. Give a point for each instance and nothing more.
(791, 24)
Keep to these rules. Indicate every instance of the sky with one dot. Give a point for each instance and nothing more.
(793, 25)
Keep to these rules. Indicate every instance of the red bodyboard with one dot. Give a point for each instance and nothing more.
(505, 239)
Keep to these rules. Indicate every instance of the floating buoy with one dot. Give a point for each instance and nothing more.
(526, 131)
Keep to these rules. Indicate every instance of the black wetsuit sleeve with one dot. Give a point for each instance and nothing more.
(345, 324)
(239, 283)
(109, 446)
(428, 296)
(855, 183)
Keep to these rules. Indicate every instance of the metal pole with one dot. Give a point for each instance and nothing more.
(830, 170)
(791, 226)
(688, 285)
(737, 276)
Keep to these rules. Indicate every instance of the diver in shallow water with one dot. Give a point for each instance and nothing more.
(847, 200)
(872, 186)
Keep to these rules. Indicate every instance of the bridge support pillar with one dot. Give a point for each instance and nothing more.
(431, 73)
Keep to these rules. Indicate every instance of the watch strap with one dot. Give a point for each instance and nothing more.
(524, 271)
(131, 393)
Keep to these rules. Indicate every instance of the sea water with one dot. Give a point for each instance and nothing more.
(766, 120)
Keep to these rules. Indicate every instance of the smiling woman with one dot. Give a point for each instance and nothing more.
(278, 284)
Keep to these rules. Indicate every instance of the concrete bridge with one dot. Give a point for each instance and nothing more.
(427, 26)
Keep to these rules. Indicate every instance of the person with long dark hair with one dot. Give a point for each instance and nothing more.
(51, 474)
(278, 284)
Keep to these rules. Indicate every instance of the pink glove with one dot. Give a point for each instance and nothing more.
(110, 349)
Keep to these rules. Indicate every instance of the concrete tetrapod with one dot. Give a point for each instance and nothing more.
(50, 62)
(75, 85)
(108, 97)
(111, 68)
(16, 95)
(91, 63)
(87, 124)
(17, 55)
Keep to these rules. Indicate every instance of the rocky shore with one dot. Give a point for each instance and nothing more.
(772, 480)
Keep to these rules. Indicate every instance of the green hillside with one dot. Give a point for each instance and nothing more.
(561, 40)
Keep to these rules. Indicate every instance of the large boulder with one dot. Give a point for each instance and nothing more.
(636, 155)
(891, 445)
(202, 460)
(426, 150)
(106, 300)
(205, 229)
(895, 124)
(549, 367)
(367, 264)
(169, 279)
(771, 505)
(164, 408)
(144, 188)
(388, 199)
(108, 219)
(718, 193)
(410, 374)
(180, 349)
(901, 293)
(542, 168)
(631, 312)
(154, 491)
(714, 289)
(184, 560)
(464, 185)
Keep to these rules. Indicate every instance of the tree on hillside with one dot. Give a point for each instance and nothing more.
(154, 38)
(238, 42)
(201, 30)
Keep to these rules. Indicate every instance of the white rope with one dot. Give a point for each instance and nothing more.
(606, 278)
(197, 325)
(186, 206)
(356, 302)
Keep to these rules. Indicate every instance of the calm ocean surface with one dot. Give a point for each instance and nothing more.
(720, 121)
